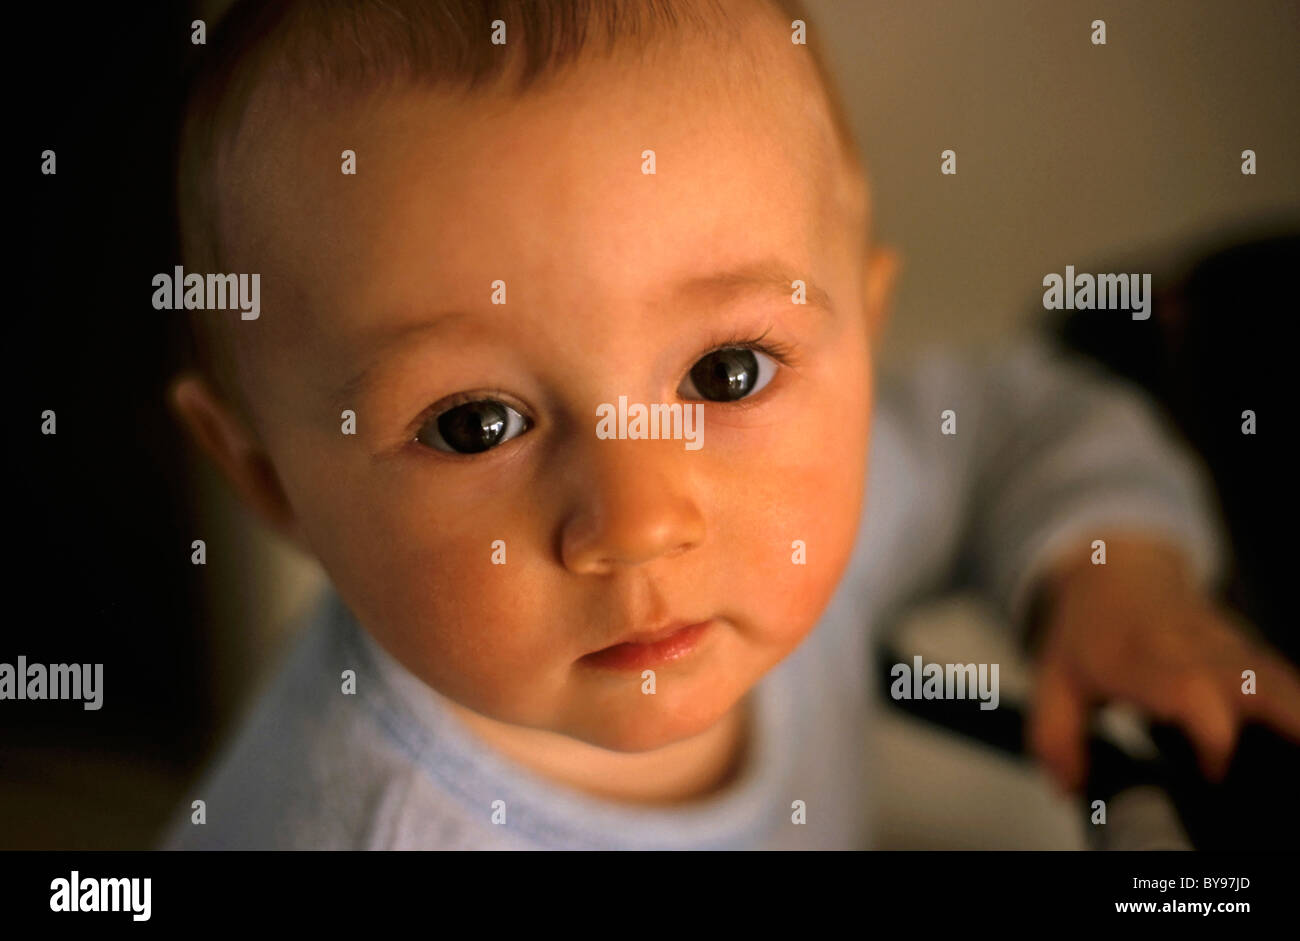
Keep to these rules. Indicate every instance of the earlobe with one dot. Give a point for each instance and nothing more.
(881, 273)
(225, 438)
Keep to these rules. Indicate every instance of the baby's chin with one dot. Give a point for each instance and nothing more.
(656, 723)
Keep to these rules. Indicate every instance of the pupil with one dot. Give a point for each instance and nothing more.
(474, 426)
(726, 375)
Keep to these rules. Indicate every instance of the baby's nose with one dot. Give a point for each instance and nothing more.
(633, 502)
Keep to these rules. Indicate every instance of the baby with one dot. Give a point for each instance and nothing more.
(558, 619)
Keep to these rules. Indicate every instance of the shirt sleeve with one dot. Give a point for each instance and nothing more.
(1050, 452)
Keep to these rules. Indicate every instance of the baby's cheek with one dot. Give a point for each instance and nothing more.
(807, 536)
(795, 587)
(484, 628)
(452, 595)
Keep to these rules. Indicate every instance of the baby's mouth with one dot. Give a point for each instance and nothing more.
(650, 648)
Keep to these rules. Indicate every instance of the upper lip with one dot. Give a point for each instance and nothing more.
(655, 635)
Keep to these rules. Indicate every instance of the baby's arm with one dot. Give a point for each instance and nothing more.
(1049, 454)
(1058, 455)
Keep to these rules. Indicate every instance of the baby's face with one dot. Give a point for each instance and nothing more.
(476, 423)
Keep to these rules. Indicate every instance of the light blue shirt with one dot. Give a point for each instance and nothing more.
(1046, 454)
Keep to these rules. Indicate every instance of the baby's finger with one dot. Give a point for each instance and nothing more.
(1058, 723)
(1198, 704)
(1276, 696)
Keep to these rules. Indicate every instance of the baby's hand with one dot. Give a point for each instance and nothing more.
(1138, 630)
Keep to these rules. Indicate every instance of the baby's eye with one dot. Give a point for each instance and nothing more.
(472, 427)
(728, 374)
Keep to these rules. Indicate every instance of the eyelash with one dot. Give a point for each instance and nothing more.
(781, 352)
(462, 398)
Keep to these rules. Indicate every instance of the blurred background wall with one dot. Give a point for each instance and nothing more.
(1067, 153)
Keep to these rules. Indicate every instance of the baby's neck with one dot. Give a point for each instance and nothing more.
(676, 773)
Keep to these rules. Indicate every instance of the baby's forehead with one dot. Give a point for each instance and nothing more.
(566, 179)
(613, 113)
(625, 164)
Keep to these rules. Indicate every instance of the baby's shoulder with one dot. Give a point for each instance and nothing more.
(308, 768)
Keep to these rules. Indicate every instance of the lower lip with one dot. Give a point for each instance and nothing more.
(639, 656)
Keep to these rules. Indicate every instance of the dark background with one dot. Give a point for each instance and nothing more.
(100, 519)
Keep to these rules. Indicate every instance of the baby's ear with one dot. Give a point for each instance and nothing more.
(222, 434)
(880, 269)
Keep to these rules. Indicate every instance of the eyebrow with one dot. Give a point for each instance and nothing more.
(381, 339)
(767, 276)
